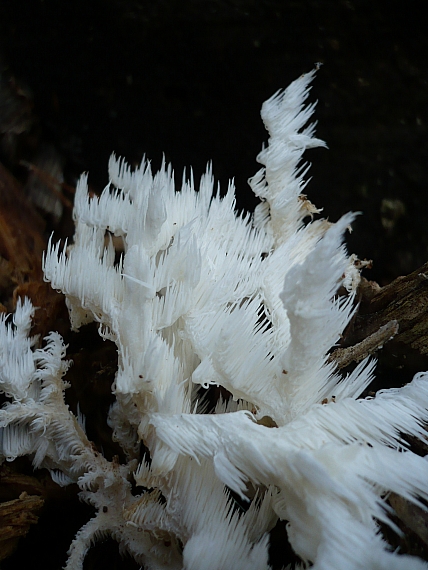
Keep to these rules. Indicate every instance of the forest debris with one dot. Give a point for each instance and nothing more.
(21, 231)
(344, 356)
(16, 517)
(21, 247)
(413, 516)
(405, 300)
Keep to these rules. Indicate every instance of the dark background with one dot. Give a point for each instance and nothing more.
(187, 78)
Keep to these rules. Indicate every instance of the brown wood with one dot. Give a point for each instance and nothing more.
(16, 517)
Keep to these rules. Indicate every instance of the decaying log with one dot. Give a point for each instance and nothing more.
(16, 516)
(21, 231)
(345, 356)
(405, 300)
(398, 310)
(22, 243)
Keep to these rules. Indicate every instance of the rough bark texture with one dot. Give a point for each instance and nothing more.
(405, 300)
(16, 517)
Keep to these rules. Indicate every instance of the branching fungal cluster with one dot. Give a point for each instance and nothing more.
(203, 297)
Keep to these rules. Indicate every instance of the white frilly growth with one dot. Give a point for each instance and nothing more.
(196, 296)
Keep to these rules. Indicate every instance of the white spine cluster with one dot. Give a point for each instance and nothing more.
(200, 297)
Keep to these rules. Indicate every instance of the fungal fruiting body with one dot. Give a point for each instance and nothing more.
(204, 297)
